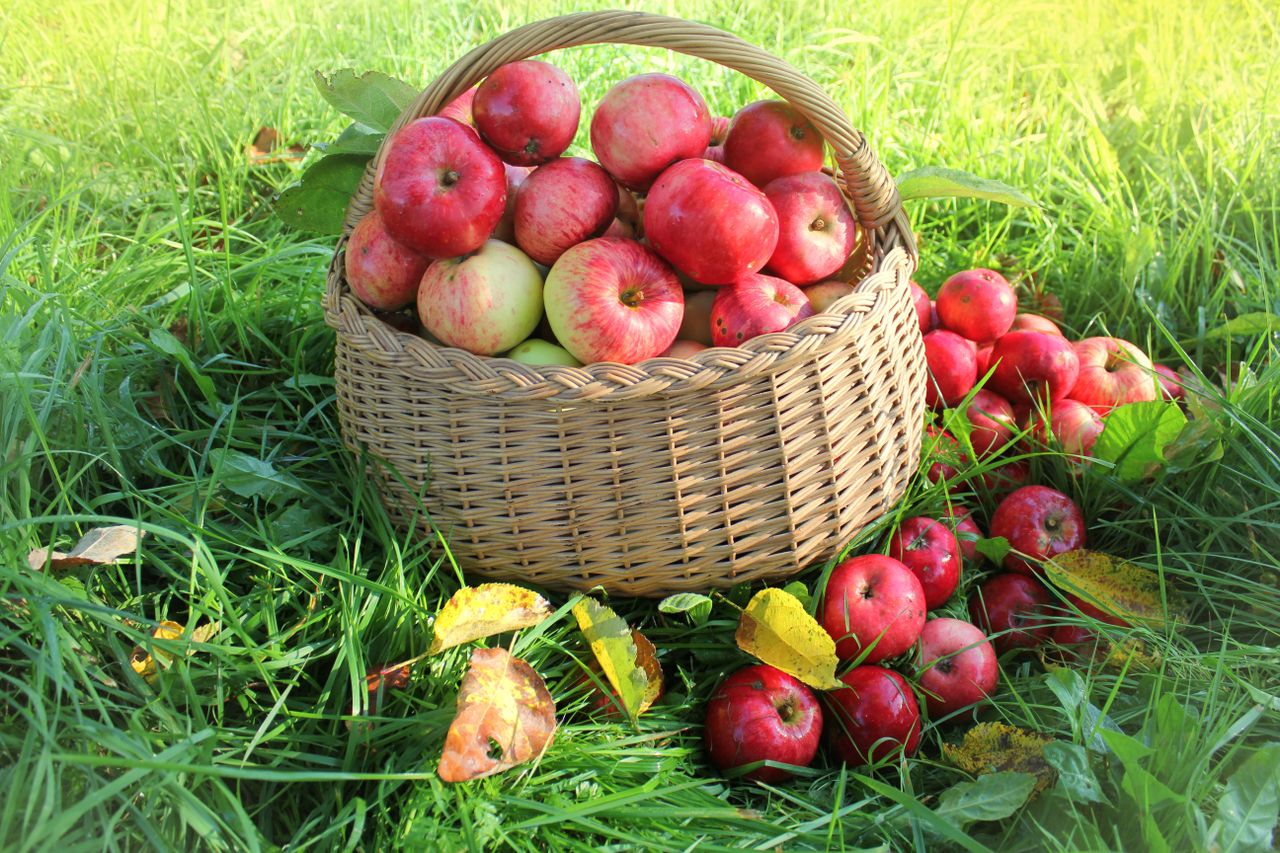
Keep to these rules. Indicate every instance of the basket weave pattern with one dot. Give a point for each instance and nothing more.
(735, 465)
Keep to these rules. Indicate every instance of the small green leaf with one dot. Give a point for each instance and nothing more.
(1253, 323)
(1250, 806)
(319, 201)
(1199, 443)
(1068, 686)
(372, 98)
(993, 796)
(164, 340)
(799, 590)
(939, 182)
(695, 605)
(250, 477)
(994, 549)
(1134, 437)
(1075, 775)
(356, 139)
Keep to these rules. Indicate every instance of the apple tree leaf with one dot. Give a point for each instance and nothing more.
(357, 139)
(251, 477)
(616, 651)
(998, 747)
(1250, 805)
(696, 605)
(941, 182)
(318, 202)
(99, 546)
(374, 99)
(777, 629)
(1253, 323)
(1134, 437)
(994, 796)
(1116, 587)
(482, 611)
(994, 548)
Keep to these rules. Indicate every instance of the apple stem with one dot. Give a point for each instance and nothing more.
(449, 178)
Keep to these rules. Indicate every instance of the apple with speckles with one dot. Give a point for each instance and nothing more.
(485, 302)
(561, 204)
(644, 124)
(760, 713)
(1040, 523)
(755, 305)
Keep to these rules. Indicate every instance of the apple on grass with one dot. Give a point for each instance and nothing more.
(485, 302)
(644, 124)
(527, 111)
(709, 222)
(439, 189)
(381, 272)
(613, 300)
(957, 666)
(1033, 366)
(1040, 523)
(816, 231)
(1112, 372)
(978, 304)
(1034, 323)
(538, 351)
(1171, 386)
(1075, 426)
(953, 368)
(874, 717)
(561, 204)
(926, 547)
(755, 305)
(991, 422)
(762, 714)
(966, 530)
(1011, 608)
(772, 139)
(872, 604)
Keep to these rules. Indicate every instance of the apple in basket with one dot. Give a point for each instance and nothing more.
(756, 305)
(527, 111)
(561, 204)
(644, 124)
(611, 299)
(771, 139)
(816, 231)
(382, 273)
(485, 302)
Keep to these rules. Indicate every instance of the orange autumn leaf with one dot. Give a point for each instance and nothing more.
(647, 661)
(482, 611)
(97, 547)
(506, 716)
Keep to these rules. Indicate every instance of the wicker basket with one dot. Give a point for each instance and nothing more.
(735, 465)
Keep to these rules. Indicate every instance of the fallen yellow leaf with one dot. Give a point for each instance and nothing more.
(994, 747)
(777, 629)
(482, 611)
(616, 649)
(145, 664)
(1116, 587)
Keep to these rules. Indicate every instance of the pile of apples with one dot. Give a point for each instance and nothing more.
(686, 231)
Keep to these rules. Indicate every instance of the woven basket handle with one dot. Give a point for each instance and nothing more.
(867, 183)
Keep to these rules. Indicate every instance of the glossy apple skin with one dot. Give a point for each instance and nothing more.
(872, 599)
(382, 273)
(1041, 523)
(991, 422)
(527, 112)
(873, 717)
(924, 307)
(506, 227)
(540, 352)
(696, 324)
(1011, 607)
(561, 204)
(824, 293)
(709, 222)
(644, 124)
(966, 530)
(770, 139)
(1075, 426)
(816, 231)
(1006, 478)
(762, 714)
(1171, 386)
(754, 305)
(953, 368)
(485, 302)
(957, 666)
(613, 300)
(926, 547)
(1034, 323)
(978, 304)
(1112, 372)
(1033, 366)
(459, 109)
(440, 190)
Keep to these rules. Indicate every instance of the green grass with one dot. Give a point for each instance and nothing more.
(155, 321)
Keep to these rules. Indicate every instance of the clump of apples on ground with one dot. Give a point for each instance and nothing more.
(711, 233)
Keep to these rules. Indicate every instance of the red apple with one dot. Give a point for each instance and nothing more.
(771, 139)
(1170, 382)
(527, 111)
(957, 666)
(1011, 607)
(506, 228)
(1034, 323)
(613, 300)
(714, 153)
(978, 304)
(755, 305)
(944, 451)
(931, 552)
(696, 324)
(644, 124)
(872, 603)
(1039, 522)
(923, 306)
(1031, 366)
(967, 531)
(991, 422)
(459, 109)
(816, 231)
(440, 190)
(953, 368)
(982, 359)
(628, 208)
(709, 222)
(1112, 372)
(873, 717)
(382, 273)
(1075, 426)
(1007, 477)
(762, 714)
(562, 204)
(683, 349)
(485, 302)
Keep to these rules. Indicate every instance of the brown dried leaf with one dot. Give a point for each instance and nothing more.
(994, 747)
(265, 145)
(482, 611)
(98, 546)
(506, 716)
(387, 678)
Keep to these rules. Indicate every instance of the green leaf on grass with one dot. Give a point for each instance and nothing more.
(994, 549)
(940, 182)
(250, 477)
(993, 796)
(1135, 435)
(1250, 806)
(695, 605)
(166, 342)
(1253, 323)
(372, 98)
(1075, 775)
(318, 202)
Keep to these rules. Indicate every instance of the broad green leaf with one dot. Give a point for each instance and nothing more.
(250, 477)
(1068, 686)
(166, 342)
(1199, 443)
(1075, 775)
(473, 613)
(777, 629)
(372, 98)
(356, 139)
(800, 591)
(615, 648)
(940, 182)
(1250, 806)
(1115, 586)
(994, 796)
(1134, 437)
(318, 202)
(994, 548)
(695, 605)
(1253, 323)
(1128, 749)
